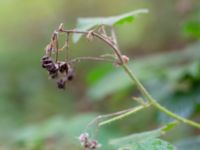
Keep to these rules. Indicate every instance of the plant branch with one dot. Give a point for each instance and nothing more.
(99, 118)
(134, 110)
(78, 59)
(154, 102)
(135, 80)
(116, 50)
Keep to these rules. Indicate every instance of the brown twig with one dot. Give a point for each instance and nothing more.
(101, 37)
(132, 76)
(78, 59)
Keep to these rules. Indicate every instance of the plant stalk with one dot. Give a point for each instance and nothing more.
(134, 110)
(135, 80)
(154, 102)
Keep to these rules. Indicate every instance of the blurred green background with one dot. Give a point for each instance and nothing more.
(164, 49)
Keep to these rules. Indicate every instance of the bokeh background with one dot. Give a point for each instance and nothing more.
(164, 49)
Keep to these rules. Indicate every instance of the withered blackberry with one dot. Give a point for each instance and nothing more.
(52, 68)
(57, 69)
(63, 67)
(46, 61)
(61, 83)
(70, 77)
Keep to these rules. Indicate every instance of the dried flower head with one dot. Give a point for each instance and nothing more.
(60, 70)
(61, 83)
(63, 67)
(88, 143)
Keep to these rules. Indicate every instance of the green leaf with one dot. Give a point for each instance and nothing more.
(145, 140)
(170, 126)
(147, 69)
(136, 138)
(182, 104)
(185, 95)
(153, 144)
(57, 127)
(192, 29)
(84, 24)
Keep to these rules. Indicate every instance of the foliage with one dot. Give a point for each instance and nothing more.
(84, 24)
(29, 102)
(158, 66)
(143, 141)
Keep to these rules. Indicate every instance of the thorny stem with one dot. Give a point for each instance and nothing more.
(135, 80)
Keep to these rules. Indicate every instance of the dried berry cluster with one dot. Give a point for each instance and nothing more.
(87, 143)
(60, 70)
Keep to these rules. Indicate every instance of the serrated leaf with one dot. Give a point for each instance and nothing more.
(84, 24)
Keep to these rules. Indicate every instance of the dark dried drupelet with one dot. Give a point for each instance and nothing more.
(70, 77)
(53, 75)
(63, 67)
(46, 61)
(61, 84)
(52, 68)
(61, 70)
(45, 57)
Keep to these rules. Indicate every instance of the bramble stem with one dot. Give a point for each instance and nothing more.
(154, 102)
(135, 80)
(78, 59)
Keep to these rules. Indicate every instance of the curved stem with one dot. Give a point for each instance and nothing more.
(154, 102)
(132, 111)
(136, 81)
(78, 59)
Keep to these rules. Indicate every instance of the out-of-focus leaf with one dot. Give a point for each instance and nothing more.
(138, 137)
(153, 144)
(168, 66)
(96, 74)
(85, 24)
(185, 95)
(170, 126)
(144, 141)
(58, 128)
(181, 104)
(192, 29)
(189, 144)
